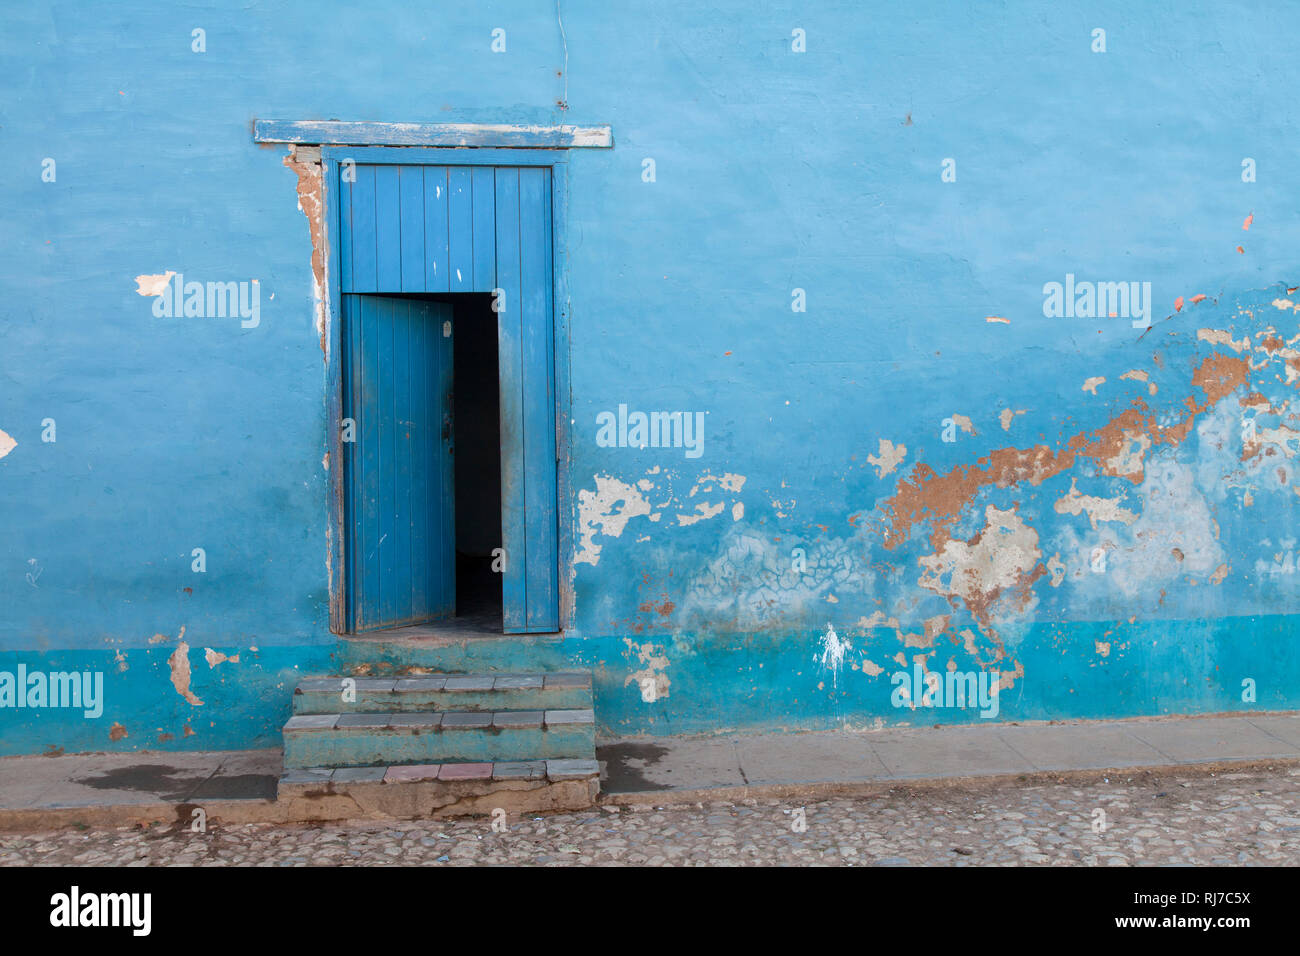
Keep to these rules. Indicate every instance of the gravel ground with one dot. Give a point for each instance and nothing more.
(1225, 818)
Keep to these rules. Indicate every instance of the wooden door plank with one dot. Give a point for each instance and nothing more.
(435, 230)
(403, 426)
(388, 244)
(510, 366)
(539, 399)
(485, 266)
(410, 188)
(368, 440)
(363, 231)
(460, 231)
(387, 456)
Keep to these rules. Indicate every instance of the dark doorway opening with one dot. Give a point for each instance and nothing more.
(476, 404)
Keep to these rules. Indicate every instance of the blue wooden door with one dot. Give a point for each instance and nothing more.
(483, 229)
(397, 394)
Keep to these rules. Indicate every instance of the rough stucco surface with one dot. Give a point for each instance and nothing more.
(1078, 444)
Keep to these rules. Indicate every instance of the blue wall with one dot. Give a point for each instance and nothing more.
(774, 171)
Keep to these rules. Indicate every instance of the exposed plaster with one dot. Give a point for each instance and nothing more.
(179, 663)
(153, 284)
(305, 164)
(654, 669)
(216, 657)
(889, 457)
(1098, 509)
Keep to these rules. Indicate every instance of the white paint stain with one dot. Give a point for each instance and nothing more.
(832, 656)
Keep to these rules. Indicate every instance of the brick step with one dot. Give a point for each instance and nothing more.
(428, 737)
(443, 789)
(565, 690)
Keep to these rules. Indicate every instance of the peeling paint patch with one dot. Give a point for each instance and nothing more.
(153, 284)
(7, 443)
(728, 482)
(179, 663)
(1091, 384)
(889, 457)
(964, 423)
(1098, 509)
(605, 511)
(995, 565)
(1222, 337)
(1007, 415)
(1282, 438)
(305, 164)
(1056, 568)
(117, 732)
(703, 511)
(652, 676)
(216, 657)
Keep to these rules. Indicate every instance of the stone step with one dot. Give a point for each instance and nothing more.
(437, 737)
(564, 690)
(443, 789)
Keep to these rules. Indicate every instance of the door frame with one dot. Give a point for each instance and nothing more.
(332, 160)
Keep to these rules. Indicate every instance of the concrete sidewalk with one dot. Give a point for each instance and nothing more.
(240, 786)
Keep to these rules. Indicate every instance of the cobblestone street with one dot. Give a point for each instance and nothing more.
(1143, 818)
